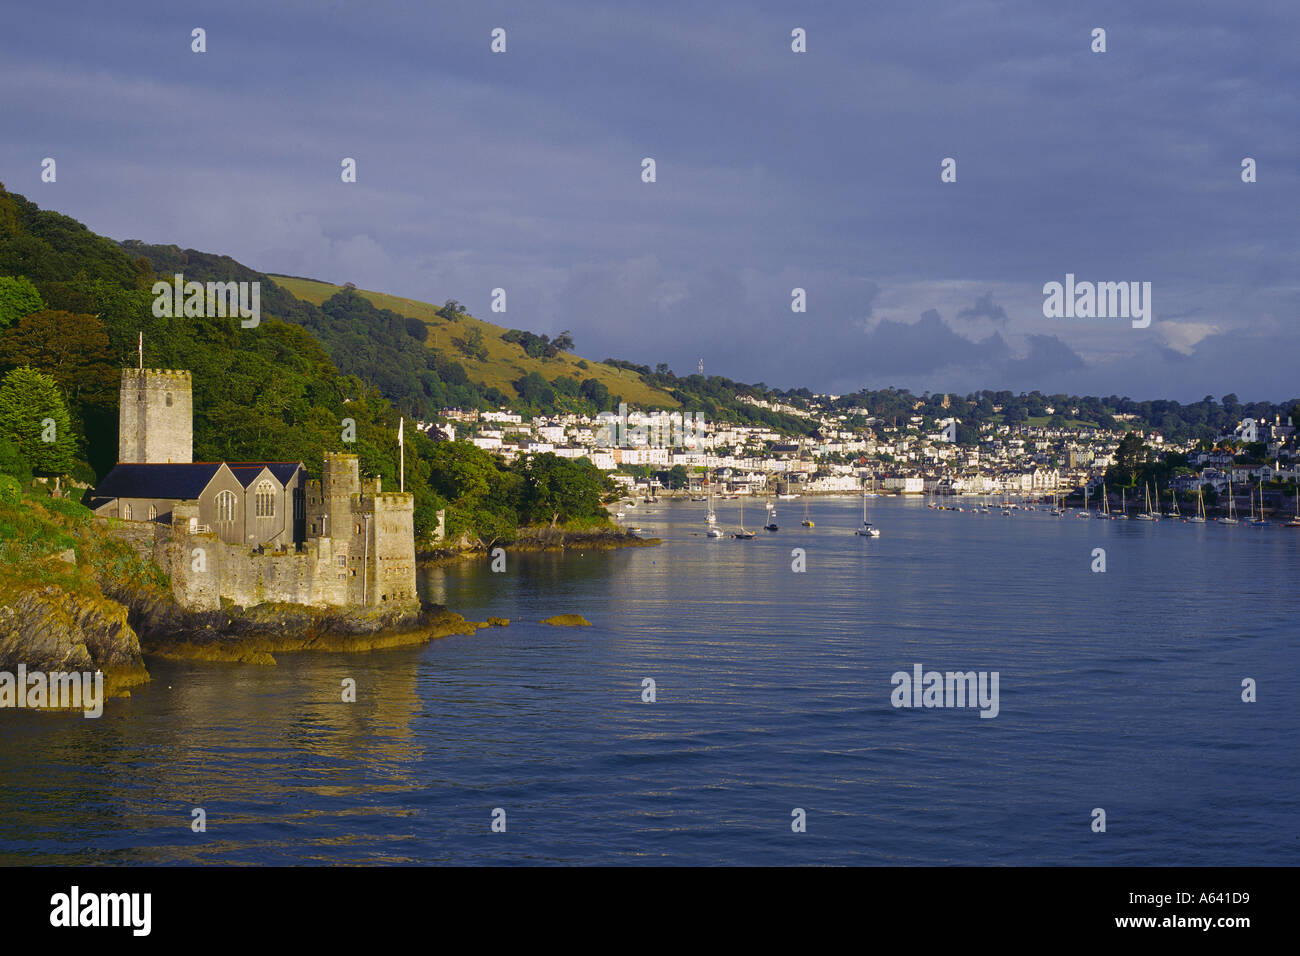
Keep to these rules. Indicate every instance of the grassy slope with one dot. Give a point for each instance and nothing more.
(505, 362)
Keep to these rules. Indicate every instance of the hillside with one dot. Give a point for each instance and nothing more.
(505, 362)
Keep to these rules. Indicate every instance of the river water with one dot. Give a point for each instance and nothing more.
(1119, 691)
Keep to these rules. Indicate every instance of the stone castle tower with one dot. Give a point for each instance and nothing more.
(156, 417)
(371, 533)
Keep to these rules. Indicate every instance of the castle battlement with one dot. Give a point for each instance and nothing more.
(397, 500)
(150, 373)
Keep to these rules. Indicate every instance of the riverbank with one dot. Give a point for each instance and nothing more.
(542, 538)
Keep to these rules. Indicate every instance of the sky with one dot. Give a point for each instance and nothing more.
(774, 170)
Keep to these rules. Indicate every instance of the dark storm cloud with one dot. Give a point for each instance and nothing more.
(775, 171)
(984, 308)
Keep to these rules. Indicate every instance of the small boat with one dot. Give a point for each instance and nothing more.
(742, 534)
(1123, 507)
(634, 529)
(867, 530)
(1232, 508)
(713, 532)
(1295, 521)
(1147, 515)
(771, 526)
(1199, 517)
(807, 521)
(1260, 520)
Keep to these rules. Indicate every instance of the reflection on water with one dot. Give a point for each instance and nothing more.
(1118, 690)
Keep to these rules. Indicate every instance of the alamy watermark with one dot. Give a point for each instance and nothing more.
(57, 690)
(215, 300)
(1098, 300)
(661, 430)
(950, 689)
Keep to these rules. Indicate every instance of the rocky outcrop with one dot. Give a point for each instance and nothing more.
(50, 630)
(254, 635)
(567, 620)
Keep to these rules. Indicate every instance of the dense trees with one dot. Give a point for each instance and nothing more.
(488, 500)
(18, 297)
(35, 425)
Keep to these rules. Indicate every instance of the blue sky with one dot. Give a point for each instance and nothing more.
(775, 170)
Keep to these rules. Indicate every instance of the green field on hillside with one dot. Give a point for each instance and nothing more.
(505, 361)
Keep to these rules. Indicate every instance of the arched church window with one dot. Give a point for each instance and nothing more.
(226, 506)
(265, 499)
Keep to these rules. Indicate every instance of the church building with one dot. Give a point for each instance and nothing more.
(250, 531)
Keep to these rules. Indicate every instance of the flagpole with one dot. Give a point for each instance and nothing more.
(142, 351)
(401, 445)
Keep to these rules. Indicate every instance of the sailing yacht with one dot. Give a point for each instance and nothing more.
(1199, 517)
(1123, 507)
(807, 521)
(1232, 508)
(866, 531)
(742, 534)
(1260, 520)
(1147, 515)
(711, 517)
(1085, 513)
(1294, 522)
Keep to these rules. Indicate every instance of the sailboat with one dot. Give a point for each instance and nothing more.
(1199, 517)
(711, 517)
(866, 531)
(742, 534)
(1147, 514)
(1085, 513)
(1232, 508)
(1123, 507)
(807, 521)
(1057, 510)
(1173, 493)
(1260, 520)
(1294, 522)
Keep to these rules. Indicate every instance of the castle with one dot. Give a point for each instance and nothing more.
(249, 532)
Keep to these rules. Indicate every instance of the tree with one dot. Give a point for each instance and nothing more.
(557, 490)
(12, 461)
(18, 297)
(452, 310)
(72, 348)
(417, 330)
(535, 390)
(34, 418)
(563, 342)
(1129, 458)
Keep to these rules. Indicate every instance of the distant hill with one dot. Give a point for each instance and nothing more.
(502, 363)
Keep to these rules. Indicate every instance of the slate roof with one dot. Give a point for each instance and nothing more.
(246, 471)
(181, 481)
